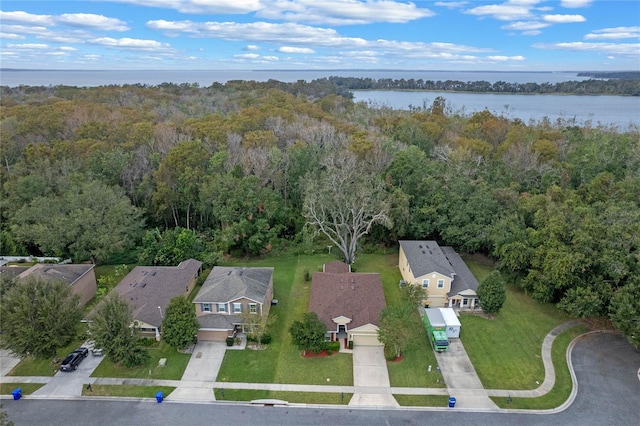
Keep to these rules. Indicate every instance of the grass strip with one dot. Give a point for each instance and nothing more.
(293, 397)
(132, 391)
(422, 400)
(27, 388)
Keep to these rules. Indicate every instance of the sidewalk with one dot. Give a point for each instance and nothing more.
(198, 385)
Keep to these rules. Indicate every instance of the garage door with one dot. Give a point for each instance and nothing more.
(366, 340)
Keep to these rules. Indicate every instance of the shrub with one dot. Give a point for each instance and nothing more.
(147, 342)
(350, 344)
(266, 339)
(333, 346)
(307, 275)
(230, 341)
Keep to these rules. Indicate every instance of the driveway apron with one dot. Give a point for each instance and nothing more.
(371, 378)
(200, 374)
(461, 378)
(69, 384)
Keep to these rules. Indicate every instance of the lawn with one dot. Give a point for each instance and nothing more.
(293, 397)
(131, 391)
(27, 388)
(282, 362)
(422, 400)
(176, 364)
(30, 366)
(505, 351)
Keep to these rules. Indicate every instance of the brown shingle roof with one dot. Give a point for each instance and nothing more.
(357, 296)
(336, 267)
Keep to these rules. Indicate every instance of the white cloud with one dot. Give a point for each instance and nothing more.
(572, 4)
(290, 49)
(252, 47)
(564, 19)
(247, 56)
(25, 18)
(525, 25)
(39, 46)
(509, 11)
(342, 12)
(90, 20)
(501, 58)
(614, 33)
(213, 7)
(130, 43)
(68, 48)
(607, 48)
(451, 4)
(10, 36)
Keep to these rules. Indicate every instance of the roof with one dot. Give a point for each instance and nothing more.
(218, 321)
(147, 287)
(336, 267)
(225, 284)
(357, 296)
(425, 257)
(464, 279)
(435, 317)
(13, 271)
(52, 272)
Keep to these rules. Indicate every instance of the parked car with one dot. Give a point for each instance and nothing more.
(71, 362)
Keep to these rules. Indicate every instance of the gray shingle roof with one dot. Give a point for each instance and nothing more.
(464, 279)
(425, 257)
(225, 284)
(147, 287)
(219, 321)
(51, 272)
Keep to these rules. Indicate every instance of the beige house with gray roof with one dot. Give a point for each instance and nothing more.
(227, 294)
(80, 277)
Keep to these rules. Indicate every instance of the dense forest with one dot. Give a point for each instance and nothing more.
(158, 174)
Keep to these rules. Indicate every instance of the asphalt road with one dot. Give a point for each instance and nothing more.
(606, 368)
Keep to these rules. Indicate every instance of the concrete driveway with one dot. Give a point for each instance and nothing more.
(69, 384)
(461, 378)
(7, 362)
(371, 378)
(201, 372)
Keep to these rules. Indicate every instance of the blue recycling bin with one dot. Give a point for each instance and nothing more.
(159, 397)
(17, 393)
(452, 402)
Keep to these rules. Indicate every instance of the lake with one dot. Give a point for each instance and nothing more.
(619, 111)
(622, 112)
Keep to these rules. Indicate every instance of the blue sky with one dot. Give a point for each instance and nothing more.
(508, 35)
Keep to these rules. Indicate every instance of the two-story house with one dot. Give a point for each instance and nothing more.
(441, 272)
(227, 295)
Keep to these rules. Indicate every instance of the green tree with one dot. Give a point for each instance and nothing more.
(111, 329)
(492, 293)
(170, 247)
(180, 325)
(393, 331)
(38, 317)
(414, 295)
(309, 334)
(625, 311)
(258, 325)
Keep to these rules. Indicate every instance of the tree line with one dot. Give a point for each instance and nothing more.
(157, 174)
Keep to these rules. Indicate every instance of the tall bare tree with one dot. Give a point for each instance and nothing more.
(344, 202)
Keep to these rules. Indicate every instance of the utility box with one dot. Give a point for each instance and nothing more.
(452, 323)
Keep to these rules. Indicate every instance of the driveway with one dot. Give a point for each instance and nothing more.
(461, 378)
(371, 378)
(201, 372)
(7, 362)
(69, 384)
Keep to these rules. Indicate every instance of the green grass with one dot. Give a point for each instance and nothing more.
(293, 397)
(131, 391)
(282, 362)
(30, 366)
(506, 351)
(173, 370)
(422, 400)
(27, 388)
(563, 384)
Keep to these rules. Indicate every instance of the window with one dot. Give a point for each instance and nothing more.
(205, 307)
(440, 283)
(465, 302)
(425, 283)
(237, 308)
(222, 307)
(253, 308)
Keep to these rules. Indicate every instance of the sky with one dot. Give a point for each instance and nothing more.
(508, 35)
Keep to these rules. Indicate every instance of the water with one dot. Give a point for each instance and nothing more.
(622, 112)
(619, 111)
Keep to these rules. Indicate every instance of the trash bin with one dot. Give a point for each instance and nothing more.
(159, 397)
(17, 393)
(452, 402)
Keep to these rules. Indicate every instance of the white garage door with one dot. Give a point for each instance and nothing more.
(366, 340)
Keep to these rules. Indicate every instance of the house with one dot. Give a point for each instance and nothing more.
(348, 304)
(439, 270)
(227, 294)
(80, 277)
(148, 290)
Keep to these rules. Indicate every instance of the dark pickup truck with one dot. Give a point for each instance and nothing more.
(71, 362)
